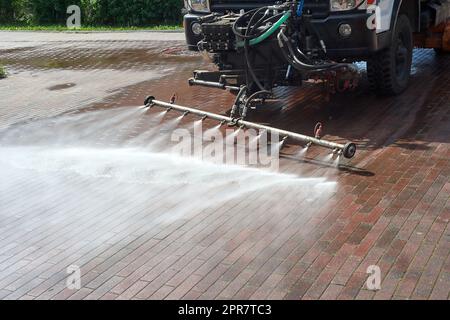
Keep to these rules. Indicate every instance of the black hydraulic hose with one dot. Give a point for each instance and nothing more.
(235, 24)
(255, 12)
(253, 96)
(288, 58)
(261, 22)
(250, 67)
(251, 28)
(285, 41)
(291, 62)
(297, 63)
(248, 36)
(303, 55)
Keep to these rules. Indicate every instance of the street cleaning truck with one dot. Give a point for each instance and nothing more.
(258, 45)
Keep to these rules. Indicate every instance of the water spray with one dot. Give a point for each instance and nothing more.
(348, 150)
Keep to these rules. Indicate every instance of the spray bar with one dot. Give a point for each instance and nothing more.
(348, 150)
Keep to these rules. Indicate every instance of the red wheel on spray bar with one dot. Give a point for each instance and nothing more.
(318, 131)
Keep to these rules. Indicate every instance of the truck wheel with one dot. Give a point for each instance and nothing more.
(389, 71)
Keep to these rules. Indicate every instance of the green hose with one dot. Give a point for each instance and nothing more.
(269, 32)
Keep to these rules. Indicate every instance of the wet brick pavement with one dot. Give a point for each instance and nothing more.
(144, 238)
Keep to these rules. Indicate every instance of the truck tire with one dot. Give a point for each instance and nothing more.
(389, 70)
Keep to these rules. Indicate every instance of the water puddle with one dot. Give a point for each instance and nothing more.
(101, 55)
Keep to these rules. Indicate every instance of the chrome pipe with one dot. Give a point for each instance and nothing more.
(292, 135)
(348, 150)
(202, 114)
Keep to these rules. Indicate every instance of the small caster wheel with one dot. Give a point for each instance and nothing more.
(350, 150)
(149, 100)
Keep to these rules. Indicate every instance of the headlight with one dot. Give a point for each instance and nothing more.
(199, 5)
(341, 5)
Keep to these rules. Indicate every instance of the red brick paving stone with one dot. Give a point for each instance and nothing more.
(374, 215)
(155, 271)
(385, 263)
(389, 285)
(213, 261)
(337, 243)
(316, 268)
(236, 284)
(224, 231)
(393, 251)
(441, 290)
(192, 295)
(267, 288)
(328, 273)
(428, 279)
(334, 230)
(182, 289)
(181, 276)
(132, 291)
(371, 238)
(162, 293)
(232, 272)
(156, 284)
(414, 272)
(9, 277)
(354, 285)
(7, 271)
(134, 265)
(446, 266)
(4, 293)
(347, 269)
(312, 254)
(360, 232)
(398, 271)
(407, 285)
(278, 294)
(425, 285)
(80, 294)
(319, 286)
(53, 291)
(214, 290)
(104, 288)
(287, 264)
(400, 219)
(332, 292)
(109, 296)
(247, 291)
(365, 295)
(435, 232)
(100, 278)
(26, 288)
(264, 267)
(291, 278)
(299, 289)
(129, 281)
(410, 227)
(63, 295)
